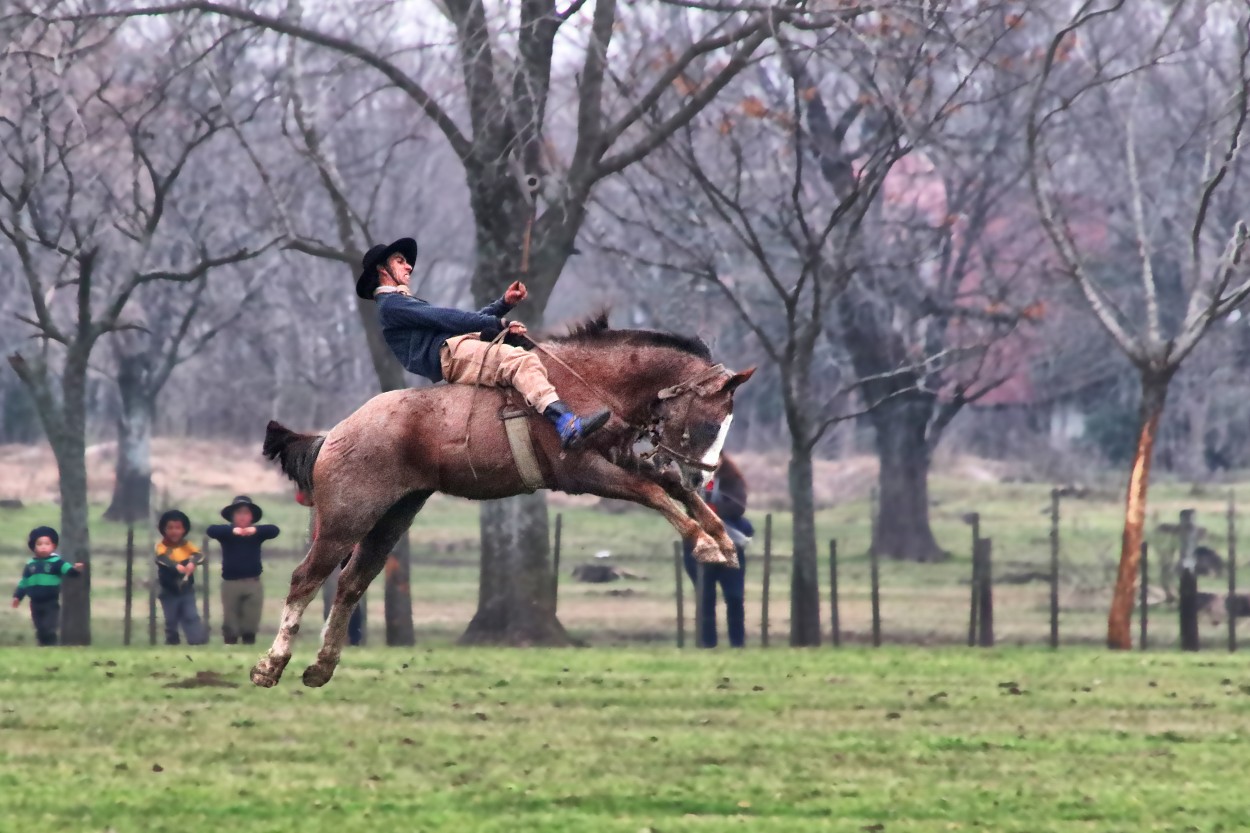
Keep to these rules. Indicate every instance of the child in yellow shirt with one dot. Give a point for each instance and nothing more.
(176, 561)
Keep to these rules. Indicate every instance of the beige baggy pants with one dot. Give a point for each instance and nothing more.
(242, 600)
(467, 360)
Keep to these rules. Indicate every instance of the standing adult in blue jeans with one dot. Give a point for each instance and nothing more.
(727, 495)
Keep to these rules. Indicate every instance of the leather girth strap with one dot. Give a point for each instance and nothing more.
(516, 424)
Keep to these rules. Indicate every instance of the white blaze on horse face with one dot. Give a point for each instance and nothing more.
(712, 457)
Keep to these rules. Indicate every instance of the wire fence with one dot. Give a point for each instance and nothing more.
(1053, 595)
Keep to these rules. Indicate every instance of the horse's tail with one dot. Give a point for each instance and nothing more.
(296, 453)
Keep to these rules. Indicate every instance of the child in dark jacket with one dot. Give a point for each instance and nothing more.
(41, 581)
(176, 561)
(242, 592)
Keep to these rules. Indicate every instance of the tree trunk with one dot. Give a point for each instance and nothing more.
(398, 596)
(132, 484)
(1119, 622)
(397, 592)
(903, 530)
(515, 602)
(75, 541)
(69, 445)
(804, 581)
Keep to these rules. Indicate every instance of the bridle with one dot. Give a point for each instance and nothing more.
(654, 429)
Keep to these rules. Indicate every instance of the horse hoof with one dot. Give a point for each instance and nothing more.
(263, 678)
(268, 671)
(315, 676)
(706, 552)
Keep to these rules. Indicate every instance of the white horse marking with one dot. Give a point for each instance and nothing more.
(712, 457)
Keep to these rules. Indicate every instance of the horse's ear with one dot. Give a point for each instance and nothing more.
(732, 383)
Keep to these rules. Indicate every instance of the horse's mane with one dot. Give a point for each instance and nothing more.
(595, 330)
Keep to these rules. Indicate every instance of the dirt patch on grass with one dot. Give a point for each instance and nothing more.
(203, 679)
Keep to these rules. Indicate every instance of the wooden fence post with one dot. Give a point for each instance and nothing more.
(1145, 593)
(876, 597)
(833, 593)
(681, 610)
(768, 569)
(204, 575)
(973, 519)
(153, 585)
(700, 582)
(1054, 568)
(127, 621)
(1231, 604)
(1188, 583)
(555, 560)
(974, 602)
(985, 613)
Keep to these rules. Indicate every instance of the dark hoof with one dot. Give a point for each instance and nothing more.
(315, 676)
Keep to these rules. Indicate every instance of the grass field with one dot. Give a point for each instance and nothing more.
(899, 740)
(920, 603)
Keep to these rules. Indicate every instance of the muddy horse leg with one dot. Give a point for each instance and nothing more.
(326, 552)
(598, 476)
(363, 567)
(703, 515)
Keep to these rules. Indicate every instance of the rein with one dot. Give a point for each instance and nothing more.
(650, 429)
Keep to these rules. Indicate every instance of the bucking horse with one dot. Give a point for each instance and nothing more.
(370, 475)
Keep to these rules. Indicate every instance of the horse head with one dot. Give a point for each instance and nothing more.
(692, 420)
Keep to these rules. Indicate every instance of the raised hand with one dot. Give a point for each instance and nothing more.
(515, 294)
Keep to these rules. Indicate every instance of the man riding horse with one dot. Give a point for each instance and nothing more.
(369, 475)
(459, 346)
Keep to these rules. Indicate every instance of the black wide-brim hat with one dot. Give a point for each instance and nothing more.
(227, 512)
(375, 257)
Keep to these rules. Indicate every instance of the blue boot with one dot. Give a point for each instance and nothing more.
(572, 428)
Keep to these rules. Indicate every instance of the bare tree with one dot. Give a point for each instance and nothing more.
(777, 205)
(1166, 82)
(626, 104)
(98, 135)
(171, 327)
(351, 142)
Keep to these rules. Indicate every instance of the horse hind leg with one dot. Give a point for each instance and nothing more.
(366, 562)
(327, 551)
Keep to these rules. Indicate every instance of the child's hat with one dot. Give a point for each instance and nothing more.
(42, 532)
(173, 515)
(241, 500)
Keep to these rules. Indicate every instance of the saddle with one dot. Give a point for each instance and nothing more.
(516, 418)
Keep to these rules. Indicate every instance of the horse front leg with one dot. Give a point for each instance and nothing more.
(704, 515)
(598, 476)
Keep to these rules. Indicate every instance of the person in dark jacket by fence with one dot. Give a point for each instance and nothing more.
(727, 495)
(456, 345)
(176, 561)
(242, 592)
(41, 583)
